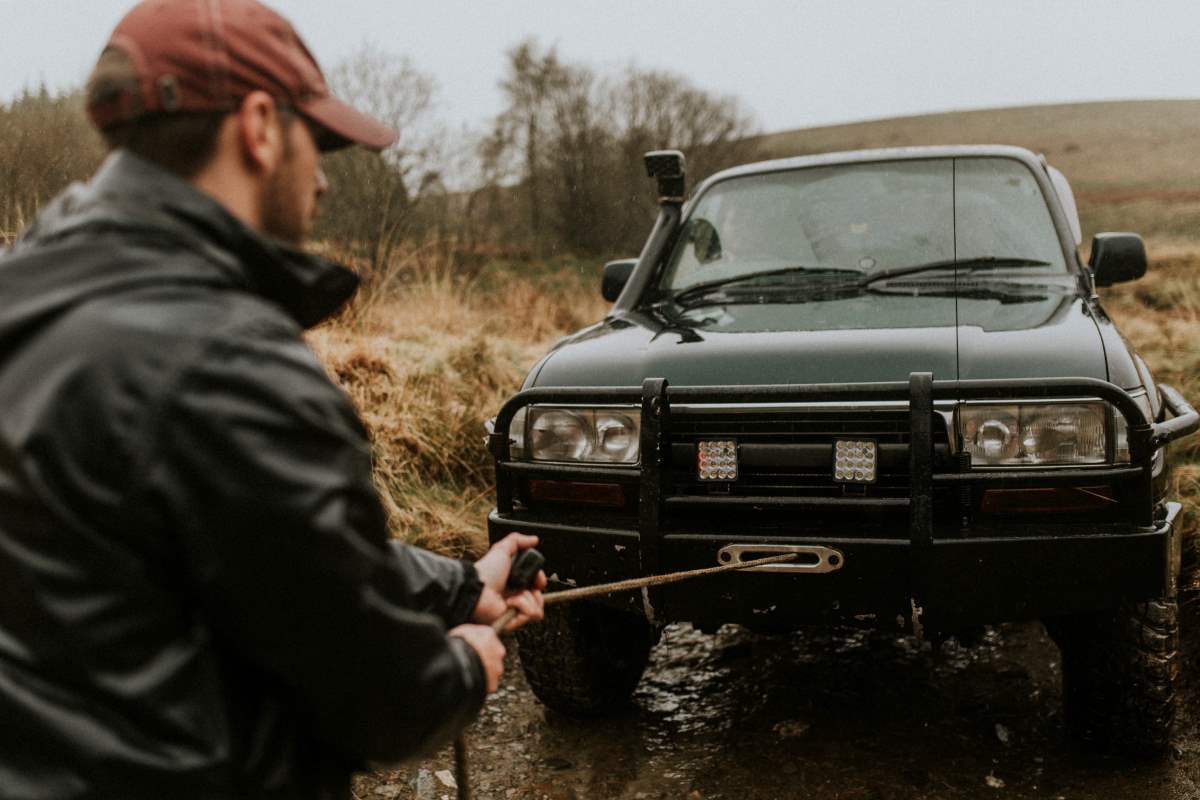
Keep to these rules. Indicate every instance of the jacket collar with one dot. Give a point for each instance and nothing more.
(128, 191)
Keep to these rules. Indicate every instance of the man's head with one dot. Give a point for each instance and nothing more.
(226, 95)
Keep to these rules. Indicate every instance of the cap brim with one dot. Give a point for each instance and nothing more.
(347, 125)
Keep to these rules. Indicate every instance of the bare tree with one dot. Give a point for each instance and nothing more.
(571, 144)
(533, 77)
(374, 199)
(656, 109)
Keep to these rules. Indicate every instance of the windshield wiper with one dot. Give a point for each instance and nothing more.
(701, 289)
(982, 262)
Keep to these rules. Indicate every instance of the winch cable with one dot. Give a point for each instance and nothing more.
(525, 568)
(569, 595)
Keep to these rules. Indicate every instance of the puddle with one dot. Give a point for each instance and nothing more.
(818, 714)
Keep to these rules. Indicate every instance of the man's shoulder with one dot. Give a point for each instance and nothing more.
(135, 338)
(182, 313)
(161, 335)
(147, 281)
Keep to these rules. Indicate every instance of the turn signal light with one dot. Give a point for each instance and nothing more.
(598, 494)
(1050, 500)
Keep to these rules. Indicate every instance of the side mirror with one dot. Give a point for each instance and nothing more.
(616, 275)
(1117, 257)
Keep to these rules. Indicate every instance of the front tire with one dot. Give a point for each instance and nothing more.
(585, 659)
(1120, 676)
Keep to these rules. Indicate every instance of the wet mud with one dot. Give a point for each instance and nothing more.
(818, 714)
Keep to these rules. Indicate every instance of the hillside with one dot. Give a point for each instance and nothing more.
(1135, 165)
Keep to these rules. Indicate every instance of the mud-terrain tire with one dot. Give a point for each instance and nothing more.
(584, 659)
(1120, 669)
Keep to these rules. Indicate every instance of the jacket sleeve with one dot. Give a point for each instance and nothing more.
(262, 470)
(445, 587)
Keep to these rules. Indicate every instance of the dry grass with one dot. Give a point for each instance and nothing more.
(427, 359)
(1160, 316)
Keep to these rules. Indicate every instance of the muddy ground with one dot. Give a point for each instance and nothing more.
(820, 715)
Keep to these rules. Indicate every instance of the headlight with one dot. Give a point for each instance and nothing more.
(598, 435)
(1122, 428)
(1028, 434)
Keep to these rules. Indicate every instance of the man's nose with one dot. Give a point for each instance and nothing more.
(322, 182)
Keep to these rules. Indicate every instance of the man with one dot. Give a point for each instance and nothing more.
(198, 597)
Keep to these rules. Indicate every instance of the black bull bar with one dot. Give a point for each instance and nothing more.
(921, 583)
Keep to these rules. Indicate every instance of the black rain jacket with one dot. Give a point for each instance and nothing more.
(198, 595)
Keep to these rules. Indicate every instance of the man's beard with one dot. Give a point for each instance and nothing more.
(282, 212)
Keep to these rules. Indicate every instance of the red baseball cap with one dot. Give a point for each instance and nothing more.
(206, 55)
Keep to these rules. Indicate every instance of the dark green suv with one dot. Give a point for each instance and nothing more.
(892, 364)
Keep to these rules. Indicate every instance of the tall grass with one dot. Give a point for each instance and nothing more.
(45, 143)
(428, 356)
(1160, 316)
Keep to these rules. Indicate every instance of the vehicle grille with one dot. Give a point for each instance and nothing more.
(791, 452)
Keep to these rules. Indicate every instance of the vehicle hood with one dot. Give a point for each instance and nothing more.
(1025, 331)
(1033, 331)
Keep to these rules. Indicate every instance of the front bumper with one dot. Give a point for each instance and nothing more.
(909, 574)
(884, 583)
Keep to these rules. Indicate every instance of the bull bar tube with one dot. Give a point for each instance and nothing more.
(933, 585)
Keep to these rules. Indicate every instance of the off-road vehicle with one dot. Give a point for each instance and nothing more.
(891, 363)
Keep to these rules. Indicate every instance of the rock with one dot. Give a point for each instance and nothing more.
(446, 777)
(1002, 733)
(388, 790)
(994, 782)
(423, 786)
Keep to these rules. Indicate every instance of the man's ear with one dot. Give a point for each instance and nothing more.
(260, 132)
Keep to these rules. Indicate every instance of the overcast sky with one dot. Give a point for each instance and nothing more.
(794, 64)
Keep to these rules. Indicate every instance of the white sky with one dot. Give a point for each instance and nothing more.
(794, 64)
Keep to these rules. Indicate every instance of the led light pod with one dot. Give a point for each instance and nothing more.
(717, 460)
(855, 461)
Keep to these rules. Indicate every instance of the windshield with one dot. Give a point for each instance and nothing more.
(865, 218)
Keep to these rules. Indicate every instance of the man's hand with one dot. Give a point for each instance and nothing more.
(493, 571)
(486, 643)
